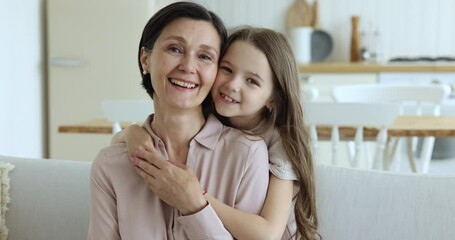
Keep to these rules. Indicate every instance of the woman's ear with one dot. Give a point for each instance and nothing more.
(144, 59)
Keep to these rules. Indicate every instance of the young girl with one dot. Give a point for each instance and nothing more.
(257, 90)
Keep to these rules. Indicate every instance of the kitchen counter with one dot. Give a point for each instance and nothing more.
(345, 67)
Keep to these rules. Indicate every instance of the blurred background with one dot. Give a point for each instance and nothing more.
(60, 58)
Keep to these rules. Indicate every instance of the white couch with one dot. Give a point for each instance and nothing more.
(356, 204)
(50, 201)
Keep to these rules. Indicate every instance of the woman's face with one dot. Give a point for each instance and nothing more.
(183, 63)
(243, 86)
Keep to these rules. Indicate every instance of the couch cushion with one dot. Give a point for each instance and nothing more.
(355, 204)
(49, 199)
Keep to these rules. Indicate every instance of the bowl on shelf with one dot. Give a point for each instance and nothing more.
(321, 45)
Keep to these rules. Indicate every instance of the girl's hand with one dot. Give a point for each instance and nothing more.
(172, 182)
(135, 137)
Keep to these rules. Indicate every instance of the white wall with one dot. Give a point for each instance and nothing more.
(407, 27)
(21, 81)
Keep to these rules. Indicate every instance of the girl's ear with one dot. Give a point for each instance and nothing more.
(144, 58)
(270, 105)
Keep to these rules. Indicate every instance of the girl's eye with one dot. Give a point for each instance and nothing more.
(226, 69)
(252, 81)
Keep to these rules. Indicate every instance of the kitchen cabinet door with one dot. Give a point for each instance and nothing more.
(418, 78)
(324, 82)
(92, 56)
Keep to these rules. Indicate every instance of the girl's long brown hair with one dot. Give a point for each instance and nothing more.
(287, 117)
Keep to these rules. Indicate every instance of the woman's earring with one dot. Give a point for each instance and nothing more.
(144, 72)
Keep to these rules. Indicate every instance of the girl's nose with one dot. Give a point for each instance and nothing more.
(234, 84)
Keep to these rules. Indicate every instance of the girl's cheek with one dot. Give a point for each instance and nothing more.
(218, 82)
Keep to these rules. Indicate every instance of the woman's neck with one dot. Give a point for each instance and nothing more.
(176, 129)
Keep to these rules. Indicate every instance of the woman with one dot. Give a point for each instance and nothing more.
(178, 58)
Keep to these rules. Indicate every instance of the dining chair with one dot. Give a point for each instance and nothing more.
(117, 111)
(357, 115)
(414, 100)
(308, 93)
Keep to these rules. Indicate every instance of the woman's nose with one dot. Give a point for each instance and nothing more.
(188, 64)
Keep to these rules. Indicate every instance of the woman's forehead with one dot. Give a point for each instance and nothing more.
(188, 30)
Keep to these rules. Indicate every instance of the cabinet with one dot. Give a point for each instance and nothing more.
(324, 82)
(92, 56)
(418, 78)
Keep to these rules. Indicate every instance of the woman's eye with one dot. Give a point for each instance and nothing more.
(252, 81)
(205, 57)
(174, 49)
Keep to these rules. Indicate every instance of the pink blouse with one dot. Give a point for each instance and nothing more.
(231, 166)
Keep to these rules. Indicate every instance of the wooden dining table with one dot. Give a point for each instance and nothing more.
(404, 126)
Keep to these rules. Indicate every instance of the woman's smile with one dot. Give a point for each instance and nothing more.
(183, 84)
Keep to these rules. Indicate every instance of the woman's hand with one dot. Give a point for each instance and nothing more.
(174, 183)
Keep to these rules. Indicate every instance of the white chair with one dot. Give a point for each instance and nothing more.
(117, 111)
(359, 204)
(358, 115)
(414, 100)
(309, 94)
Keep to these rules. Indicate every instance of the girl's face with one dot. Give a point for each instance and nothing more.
(183, 64)
(243, 86)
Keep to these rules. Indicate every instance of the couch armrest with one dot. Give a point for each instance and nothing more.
(49, 199)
